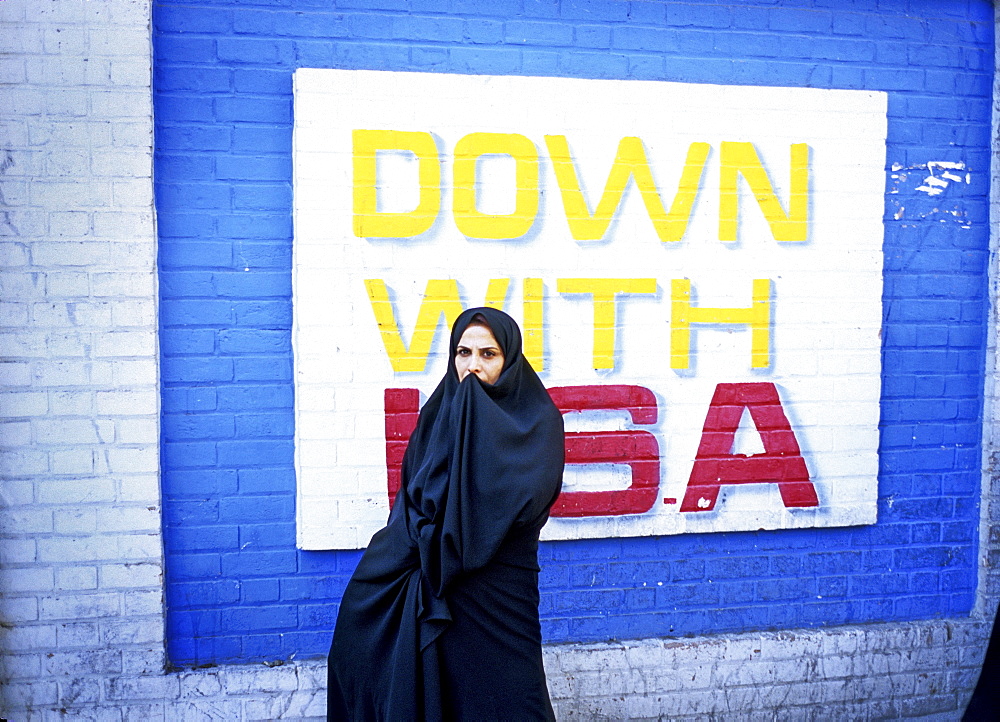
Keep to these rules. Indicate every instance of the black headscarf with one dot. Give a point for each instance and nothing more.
(482, 468)
(480, 457)
(483, 460)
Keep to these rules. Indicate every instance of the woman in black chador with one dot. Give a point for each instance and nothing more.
(440, 620)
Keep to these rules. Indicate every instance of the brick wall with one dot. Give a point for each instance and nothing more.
(238, 590)
(80, 550)
(80, 561)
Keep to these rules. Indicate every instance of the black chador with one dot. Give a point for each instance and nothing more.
(440, 620)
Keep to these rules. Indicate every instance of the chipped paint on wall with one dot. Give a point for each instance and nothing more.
(935, 178)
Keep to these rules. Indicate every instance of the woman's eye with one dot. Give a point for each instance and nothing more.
(463, 352)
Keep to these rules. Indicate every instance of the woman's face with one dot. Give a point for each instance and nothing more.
(479, 353)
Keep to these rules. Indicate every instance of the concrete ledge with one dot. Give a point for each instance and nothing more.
(921, 670)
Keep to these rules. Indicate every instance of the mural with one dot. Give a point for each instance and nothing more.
(697, 270)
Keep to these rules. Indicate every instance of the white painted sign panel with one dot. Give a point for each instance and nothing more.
(697, 270)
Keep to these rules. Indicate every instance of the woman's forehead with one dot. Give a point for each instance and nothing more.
(478, 334)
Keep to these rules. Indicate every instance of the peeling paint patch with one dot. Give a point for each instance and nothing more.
(940, 176)
(933, 178)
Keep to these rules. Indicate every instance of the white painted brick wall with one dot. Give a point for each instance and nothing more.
(81, 565)
(81, 617)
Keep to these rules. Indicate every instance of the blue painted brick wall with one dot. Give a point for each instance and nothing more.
(237, 589)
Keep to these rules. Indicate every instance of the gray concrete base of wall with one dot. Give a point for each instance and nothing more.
(923, 670)
(918, 670)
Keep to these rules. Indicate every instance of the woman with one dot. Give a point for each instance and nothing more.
(440, 620)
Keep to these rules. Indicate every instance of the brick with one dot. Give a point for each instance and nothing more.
(195, 137)
(254, 341)
(592, 10)
(17, 551)
(76, 578)
(148, 603)
(255, 397)
(538, 33)
(254, 139)
(21, 694)
(272, 314)
(162, 687)
(72, 314)
(25, 345)
(191, 49)
(144, 662)
(128, 461)
(13, 254)
(130, 575)
(20, 666)
(80, 606)
(252, 109)
(224, 709)
(15, 434)
(264, 426)
(261, 369)
(125, 343)
(181, 20)
(263, 536)
(72, 635)
(257, 167)
(63, 284)
(15, 373)
(22, 580)
(133, 313)
(684, 15)
(257, 481)
(203, 538)
(483, 31)
(259, 617)
(128, 519)
(258, 508)
(200, 426)
(125, 402)
(77, 462)
(32, 403)
(121, 284)
(487, 62)
(73, 431)
(255, 452)
(256, 591)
